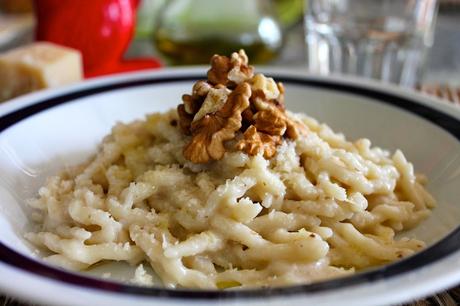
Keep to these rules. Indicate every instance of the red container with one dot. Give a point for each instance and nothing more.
(100, 29)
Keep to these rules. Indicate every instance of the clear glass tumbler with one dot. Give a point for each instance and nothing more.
(381, 39)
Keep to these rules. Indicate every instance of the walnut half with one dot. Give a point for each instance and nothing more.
(212, 130)
(255, 142)
(230, 71)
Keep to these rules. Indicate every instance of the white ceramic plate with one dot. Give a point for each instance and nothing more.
(44, 132)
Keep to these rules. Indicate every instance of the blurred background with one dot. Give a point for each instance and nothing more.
(413, 43)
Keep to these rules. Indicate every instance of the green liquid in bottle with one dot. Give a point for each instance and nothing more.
(191, 32)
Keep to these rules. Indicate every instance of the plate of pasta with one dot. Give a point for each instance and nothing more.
(228, 184)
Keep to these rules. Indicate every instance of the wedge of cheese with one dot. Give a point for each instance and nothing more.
(37, 66)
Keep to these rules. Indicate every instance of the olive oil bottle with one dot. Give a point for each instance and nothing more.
(189, 32)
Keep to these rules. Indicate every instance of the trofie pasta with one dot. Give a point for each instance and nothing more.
(232, 190)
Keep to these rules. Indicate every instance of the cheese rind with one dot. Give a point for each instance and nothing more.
(37, 66)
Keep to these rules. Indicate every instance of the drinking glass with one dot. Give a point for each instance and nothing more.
(381, 39)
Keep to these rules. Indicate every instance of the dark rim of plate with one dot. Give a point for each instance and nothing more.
(436, 252)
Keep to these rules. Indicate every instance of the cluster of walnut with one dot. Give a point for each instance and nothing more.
(234, 104)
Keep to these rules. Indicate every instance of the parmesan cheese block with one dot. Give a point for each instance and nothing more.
(37, 66)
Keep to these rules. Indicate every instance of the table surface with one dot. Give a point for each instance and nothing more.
(443, 67)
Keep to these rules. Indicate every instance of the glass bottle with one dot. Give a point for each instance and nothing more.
(191, 31)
